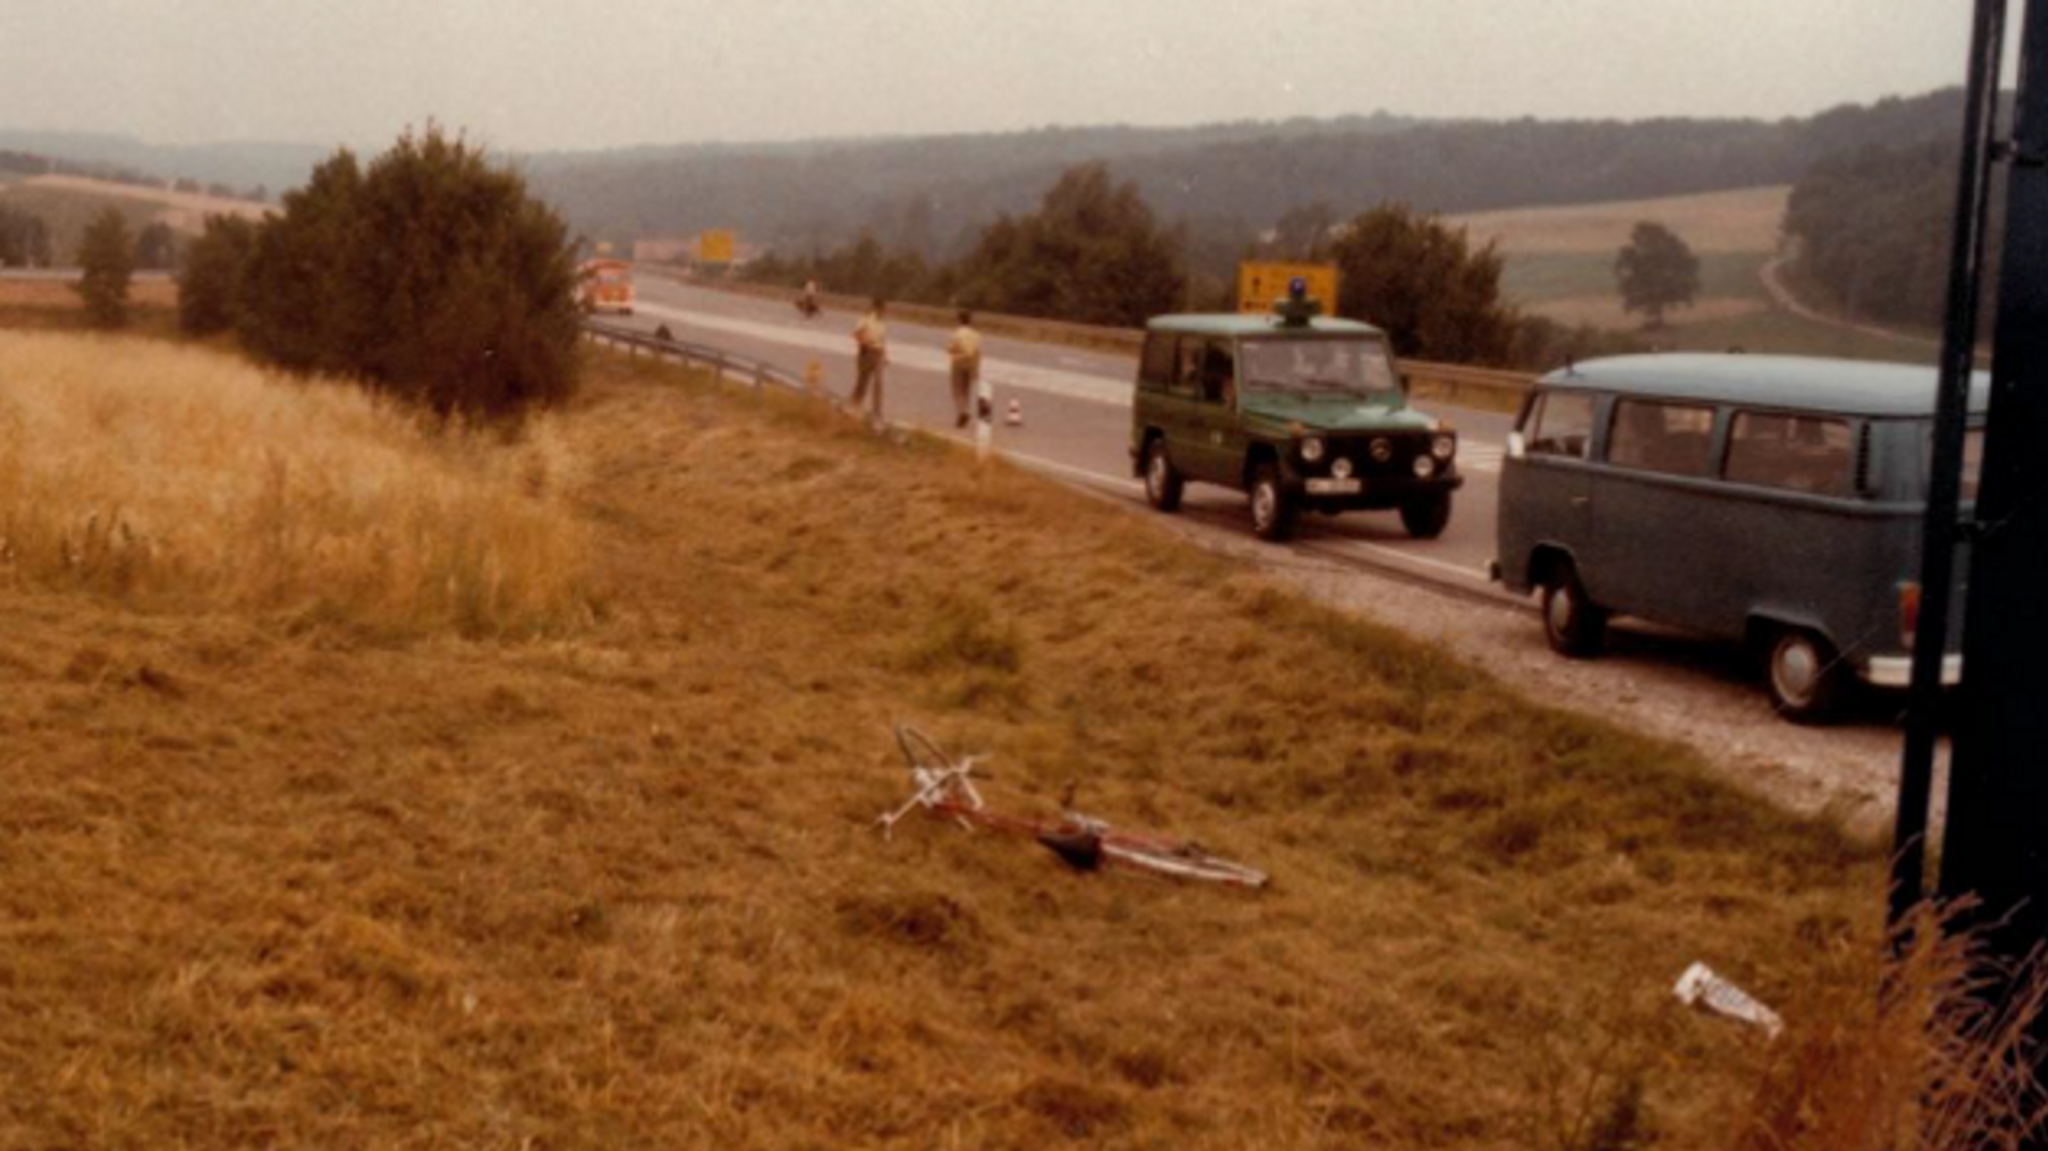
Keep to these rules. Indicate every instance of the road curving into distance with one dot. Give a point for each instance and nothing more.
(1076, 421)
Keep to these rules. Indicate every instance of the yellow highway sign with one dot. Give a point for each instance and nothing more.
(1259, 283)
(716, 246)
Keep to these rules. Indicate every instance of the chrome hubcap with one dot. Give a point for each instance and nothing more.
(1561, 611)
(1796, 669)
(1264, 502)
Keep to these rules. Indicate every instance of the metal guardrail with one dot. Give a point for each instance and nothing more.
(724, 365)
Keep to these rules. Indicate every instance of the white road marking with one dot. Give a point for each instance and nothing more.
(1039, 463)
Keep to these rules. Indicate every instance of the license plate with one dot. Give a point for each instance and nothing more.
(1335, 487)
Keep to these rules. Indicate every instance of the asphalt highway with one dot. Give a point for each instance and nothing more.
(1076, 409)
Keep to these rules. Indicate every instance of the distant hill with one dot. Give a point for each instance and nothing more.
(274, 167)
(929, 193)
(926, 193)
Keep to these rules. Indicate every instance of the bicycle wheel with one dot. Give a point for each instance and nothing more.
(1183, 863)
(921, 750)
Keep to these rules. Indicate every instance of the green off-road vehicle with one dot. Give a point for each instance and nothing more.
(1298, 411)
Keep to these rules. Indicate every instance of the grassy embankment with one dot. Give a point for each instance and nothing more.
(1560, 264)
(286, 874)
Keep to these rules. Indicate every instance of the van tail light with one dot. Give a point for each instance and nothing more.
(1909, 613)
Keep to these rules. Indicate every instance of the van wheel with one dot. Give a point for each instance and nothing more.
(1574, 625)
(1426, 517)
(1272, 511)
(1163, 481)
(1803, 675)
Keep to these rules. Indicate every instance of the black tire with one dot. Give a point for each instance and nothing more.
(920, 749)
(1572, 622)
(1163, 481)
(1273, 511)
(1426, 517)
(1803, 675)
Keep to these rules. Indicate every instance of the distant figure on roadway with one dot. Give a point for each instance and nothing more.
(871, 352)
(807, 302)
(965, 351)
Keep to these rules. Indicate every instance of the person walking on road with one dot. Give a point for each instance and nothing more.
(871, 352)
(965, 351)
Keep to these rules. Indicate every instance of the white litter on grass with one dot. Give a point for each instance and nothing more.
(1699, 986)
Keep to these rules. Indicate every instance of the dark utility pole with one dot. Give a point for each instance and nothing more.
(1996, 846)
(1940, 529)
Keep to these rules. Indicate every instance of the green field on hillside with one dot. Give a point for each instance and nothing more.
(67, 212)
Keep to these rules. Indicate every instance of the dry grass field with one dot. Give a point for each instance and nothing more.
(293, 878)
(162, 476)
(1560, 261)
(1745, 220)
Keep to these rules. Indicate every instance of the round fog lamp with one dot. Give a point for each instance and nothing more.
(1312, 449)
(1424, 467)
(1341, 469)
(1443, 447)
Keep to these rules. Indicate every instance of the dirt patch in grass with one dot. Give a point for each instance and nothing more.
(619, 887)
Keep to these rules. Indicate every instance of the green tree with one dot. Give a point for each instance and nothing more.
(156, 247)
(1657, 271)
(107, 255)
(1421, 282)
(1092, 253)
(470, 282)
(431, 275)
(303, 307)
(210, 287)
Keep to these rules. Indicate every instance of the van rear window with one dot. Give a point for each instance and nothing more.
(1660, 437)
(1797, 453)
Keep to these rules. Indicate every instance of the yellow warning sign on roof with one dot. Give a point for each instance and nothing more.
(1260, 283)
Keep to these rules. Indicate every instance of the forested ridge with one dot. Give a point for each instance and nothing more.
(934, 194)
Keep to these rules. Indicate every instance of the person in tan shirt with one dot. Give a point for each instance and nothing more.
(965, 351)
(871, 351)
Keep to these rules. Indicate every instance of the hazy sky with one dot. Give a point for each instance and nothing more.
(538, 74)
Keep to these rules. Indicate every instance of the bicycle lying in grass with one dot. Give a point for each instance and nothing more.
(945, 788)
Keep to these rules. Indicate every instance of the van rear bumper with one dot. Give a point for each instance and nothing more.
(1897, 671)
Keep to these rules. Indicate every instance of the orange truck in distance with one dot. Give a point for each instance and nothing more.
(606, 286)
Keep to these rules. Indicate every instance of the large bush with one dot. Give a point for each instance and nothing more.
(430, 274)
(210, 288)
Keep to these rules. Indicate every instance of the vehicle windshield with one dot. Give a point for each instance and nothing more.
(1343, 369)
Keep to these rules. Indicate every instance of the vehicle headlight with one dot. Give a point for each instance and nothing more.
(1443, 447)
(1312, 449)
(1341, 469)
(1424, 467)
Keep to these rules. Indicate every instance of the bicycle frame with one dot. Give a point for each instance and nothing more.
(949, 792)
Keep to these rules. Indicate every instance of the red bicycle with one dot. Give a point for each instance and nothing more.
(945, 788)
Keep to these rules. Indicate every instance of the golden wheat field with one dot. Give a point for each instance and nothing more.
(290, 879)
(160, 475)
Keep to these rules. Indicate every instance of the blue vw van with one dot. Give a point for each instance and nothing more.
(1771, 500)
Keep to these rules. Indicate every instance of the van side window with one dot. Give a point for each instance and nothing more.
(1660, 437)
(1156, 367)
(1562, 425)
(1797, 453)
